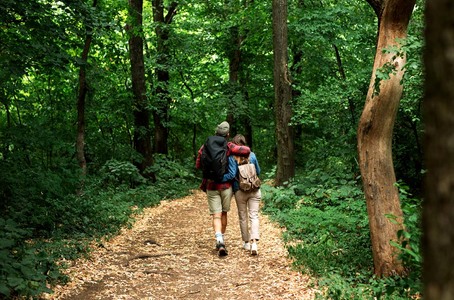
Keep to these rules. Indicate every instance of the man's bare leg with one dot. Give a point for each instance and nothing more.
(217, 222)
(224, 222)
(219, 230)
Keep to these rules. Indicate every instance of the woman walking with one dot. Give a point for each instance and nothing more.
(248, 203)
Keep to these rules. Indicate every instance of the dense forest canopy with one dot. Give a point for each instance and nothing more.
(42, 42)
(203, 63)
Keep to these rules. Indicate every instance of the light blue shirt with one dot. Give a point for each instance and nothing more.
(233, 170)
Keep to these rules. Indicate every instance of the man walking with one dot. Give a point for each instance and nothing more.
(219, 193)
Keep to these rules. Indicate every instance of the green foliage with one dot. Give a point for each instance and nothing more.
(360, 287)
(52, 212)
(394, 288)
(280, 198)
(35, 196)
(329, 90)
(411, 236)
(25, 267)
(408, 133)
(329, 215)
(327, 234)
(174, 178)
(47, 222)
(121, 172)
(383, 73)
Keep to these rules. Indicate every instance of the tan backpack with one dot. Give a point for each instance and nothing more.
(247, 175)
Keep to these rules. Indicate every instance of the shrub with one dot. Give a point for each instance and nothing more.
(25, 267)
(327, 234)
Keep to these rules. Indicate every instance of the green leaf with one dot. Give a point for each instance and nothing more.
(14, 281)
(6, 243)
(4, 290)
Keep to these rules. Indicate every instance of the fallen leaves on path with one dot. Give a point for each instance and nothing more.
(169, 253)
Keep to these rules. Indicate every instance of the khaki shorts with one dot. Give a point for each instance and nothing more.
(219, 201)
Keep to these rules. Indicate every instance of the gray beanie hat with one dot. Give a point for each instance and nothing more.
(223, 129)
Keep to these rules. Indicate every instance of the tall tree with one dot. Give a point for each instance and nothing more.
(234, 56)
(162, 95)
(142, 135)
(82, 93)
(438, 206)
(238, 33)
(375, 132)
(282, 95)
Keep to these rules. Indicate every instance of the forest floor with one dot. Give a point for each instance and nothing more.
(169, 253)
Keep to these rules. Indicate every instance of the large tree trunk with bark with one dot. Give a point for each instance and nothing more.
(142, 136)
(282, 95)
(161, 93)
(438, 206)
(375, 132)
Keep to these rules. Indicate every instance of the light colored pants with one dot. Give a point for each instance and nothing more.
(248, 205)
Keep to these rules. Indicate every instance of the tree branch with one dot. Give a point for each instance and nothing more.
(377, 6)
(171, 12)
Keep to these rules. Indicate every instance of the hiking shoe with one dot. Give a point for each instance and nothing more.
(254, 250)
(222, 251)
(246, 246)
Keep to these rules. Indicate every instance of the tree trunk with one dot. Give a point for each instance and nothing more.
(162, 95)
(247, 125)
(282, 95)
(375, 140)
(82, 93)
(438, 209)
(234, 55)
(5, 149)
(142, 136)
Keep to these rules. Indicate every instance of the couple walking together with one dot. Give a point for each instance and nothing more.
(220, 193)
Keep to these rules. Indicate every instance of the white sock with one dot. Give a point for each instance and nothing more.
(219, 237)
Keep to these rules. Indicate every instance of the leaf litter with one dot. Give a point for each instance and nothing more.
(169, 253)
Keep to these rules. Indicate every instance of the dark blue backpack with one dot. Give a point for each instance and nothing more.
(214, 158)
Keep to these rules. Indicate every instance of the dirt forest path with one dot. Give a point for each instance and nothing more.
(169, 254)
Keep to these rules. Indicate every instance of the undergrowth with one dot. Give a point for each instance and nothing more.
(48, 218)
(327, 235)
